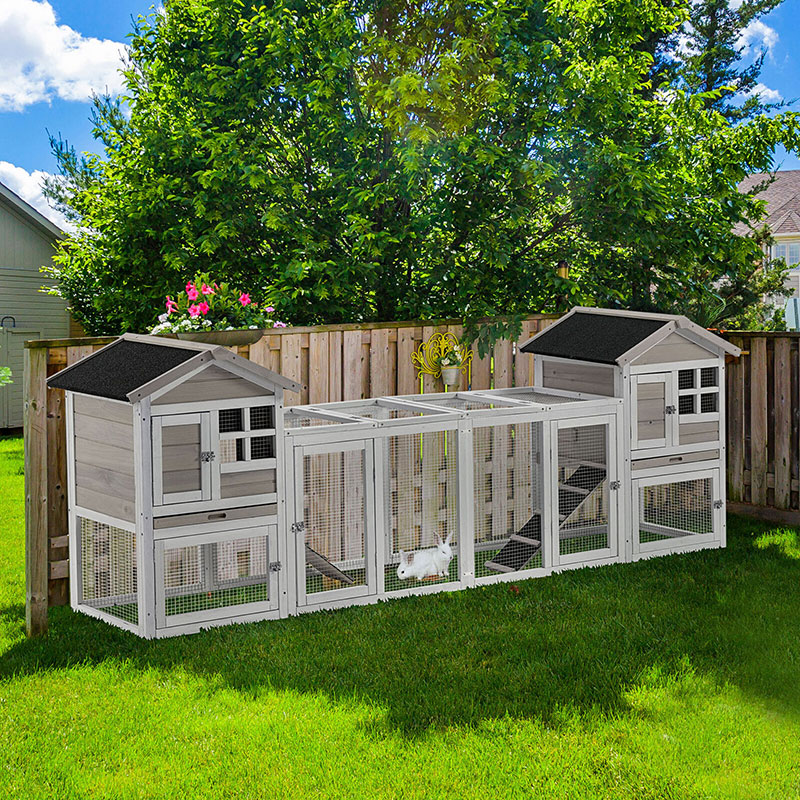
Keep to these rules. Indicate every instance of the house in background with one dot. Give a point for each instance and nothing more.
(783, 218)
(26, 244)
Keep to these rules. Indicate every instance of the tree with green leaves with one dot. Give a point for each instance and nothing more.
(371, 160)
(713, 51)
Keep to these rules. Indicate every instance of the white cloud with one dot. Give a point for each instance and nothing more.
(40, 59)
(765, 93)
(758, 34)
(28, 186)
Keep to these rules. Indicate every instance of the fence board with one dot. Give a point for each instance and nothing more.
(758, 421)
(783, 423)
(36, 488)
(318, 362)
(353, 365)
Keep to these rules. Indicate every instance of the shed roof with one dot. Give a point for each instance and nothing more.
(129, 368)
(606, 336)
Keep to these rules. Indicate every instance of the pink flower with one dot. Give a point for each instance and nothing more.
(244, 299)
(194, 311)
(279, 325)
(189, 287)
(203, 307)
(269, 309)
(207, 289)
(192, 293)
(171, 305)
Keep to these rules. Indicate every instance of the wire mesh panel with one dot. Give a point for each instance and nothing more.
(209, 579)
(583, 489)
(108, 579)
(422, 510)
(508, 498)
(335, 521)
(671, 511)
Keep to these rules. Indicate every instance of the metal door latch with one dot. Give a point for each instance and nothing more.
(207, 456)
(298, 527)
(614, 485)
(274, 566)
(670, 410)
(718, 504)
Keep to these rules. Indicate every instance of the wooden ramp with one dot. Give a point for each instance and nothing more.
(523, 545)
(321, 564)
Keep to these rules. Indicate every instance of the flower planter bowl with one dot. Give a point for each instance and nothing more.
(450, 375)
(235, 338)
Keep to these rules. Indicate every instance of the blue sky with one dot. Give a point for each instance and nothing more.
(53, 54)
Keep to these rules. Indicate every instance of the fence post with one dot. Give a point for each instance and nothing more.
(35, 432)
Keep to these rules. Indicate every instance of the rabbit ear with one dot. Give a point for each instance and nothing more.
(449, 537)
(438, 539)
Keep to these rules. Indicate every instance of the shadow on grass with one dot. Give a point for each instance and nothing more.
(579, 639)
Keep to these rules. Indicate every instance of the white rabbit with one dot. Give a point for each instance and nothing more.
(431, 563)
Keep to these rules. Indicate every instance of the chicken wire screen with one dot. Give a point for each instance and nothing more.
(583, 489)
(422, 509)
(334, 517)
(508, 498)
(217, 575)
(108, 579)
(672, 511)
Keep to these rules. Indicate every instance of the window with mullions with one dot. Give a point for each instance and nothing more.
(246, 434)
(788, 251)
(698, 391)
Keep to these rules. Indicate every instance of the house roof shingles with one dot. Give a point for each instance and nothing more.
(783, 200)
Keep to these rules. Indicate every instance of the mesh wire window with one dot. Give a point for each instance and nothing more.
(222, 574)
(583, 489)
(421, 504)
(262, 447)
(262, 418)
(508, 498)
(708, 377)
(231, 420)
(232, 450)
(108, 579)
(685, 379)
(686, 404)
(709, 403)
(334, 506)
(672, 511)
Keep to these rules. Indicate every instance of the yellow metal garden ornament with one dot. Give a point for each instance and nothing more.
(443, 356)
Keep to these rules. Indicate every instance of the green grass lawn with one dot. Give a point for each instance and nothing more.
(673, 678)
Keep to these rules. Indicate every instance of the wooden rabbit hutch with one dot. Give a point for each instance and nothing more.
(175, 485)
(196, 499)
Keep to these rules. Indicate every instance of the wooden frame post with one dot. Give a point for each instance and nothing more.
(36, 540)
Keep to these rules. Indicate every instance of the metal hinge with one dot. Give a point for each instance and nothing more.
(274, 566)
(206, 456)
(718, 504)
(298, 527)
(614, 485)
(670, 410)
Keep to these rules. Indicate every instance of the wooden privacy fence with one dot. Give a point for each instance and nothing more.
(333, 362)
(763, 413)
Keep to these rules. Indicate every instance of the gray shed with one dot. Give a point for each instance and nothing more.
(26, 244)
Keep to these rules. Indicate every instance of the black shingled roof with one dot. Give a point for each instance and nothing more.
(120, 368)
(601, 338)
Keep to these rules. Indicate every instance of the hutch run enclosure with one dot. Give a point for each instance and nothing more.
(197, 499)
